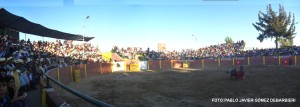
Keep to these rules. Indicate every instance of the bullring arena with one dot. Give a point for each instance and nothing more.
(203, 83)
(67, 70)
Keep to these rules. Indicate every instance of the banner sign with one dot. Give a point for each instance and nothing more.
(143, 65)
(118, 66)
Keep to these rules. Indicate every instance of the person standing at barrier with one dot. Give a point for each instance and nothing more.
(4, 99)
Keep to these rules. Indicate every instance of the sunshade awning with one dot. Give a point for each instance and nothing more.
(21, 24)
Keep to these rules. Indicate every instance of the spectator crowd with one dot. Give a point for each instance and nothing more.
(22, 63)
(225, 50)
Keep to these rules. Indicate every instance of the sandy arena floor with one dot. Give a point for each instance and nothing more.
(191, 88)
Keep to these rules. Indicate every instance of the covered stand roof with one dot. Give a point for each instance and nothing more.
(23, 25)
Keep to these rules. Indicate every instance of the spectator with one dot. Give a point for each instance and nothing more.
(4, 99)
(17, 99)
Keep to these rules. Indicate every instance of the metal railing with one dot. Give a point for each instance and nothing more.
(77, 93)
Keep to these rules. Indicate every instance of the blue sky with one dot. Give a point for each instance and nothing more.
(145, 23)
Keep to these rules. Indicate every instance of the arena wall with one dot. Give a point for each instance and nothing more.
(211, 63)
(75, 73)
(154, 64)
(196, 64)
(67, 74)
(271, 60)
(241, 61)
(297, 61)
(176, 64)
(165, 64)
(256, 61)
(226, 61)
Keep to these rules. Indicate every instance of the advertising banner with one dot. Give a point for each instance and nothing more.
(143, 65)
(176, 64)
(118, 66)
(134, 67)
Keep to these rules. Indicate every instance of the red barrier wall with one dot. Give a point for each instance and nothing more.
(65, 75)
(298, 60)
(196, 64)
(53, 73)
(106, 68)
(271, 60)
(93, 69)
(225, 61)
(285, 60)
(166, 64)
(241, 61)
(256, 60)
(211, 63)
(154, 65)
(81, 66)
(292, 58)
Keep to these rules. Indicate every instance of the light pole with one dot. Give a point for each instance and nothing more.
(87, 17)
(195, 40)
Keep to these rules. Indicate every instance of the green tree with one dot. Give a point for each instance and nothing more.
(285, 42)
(273, 25)
(228, 40)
